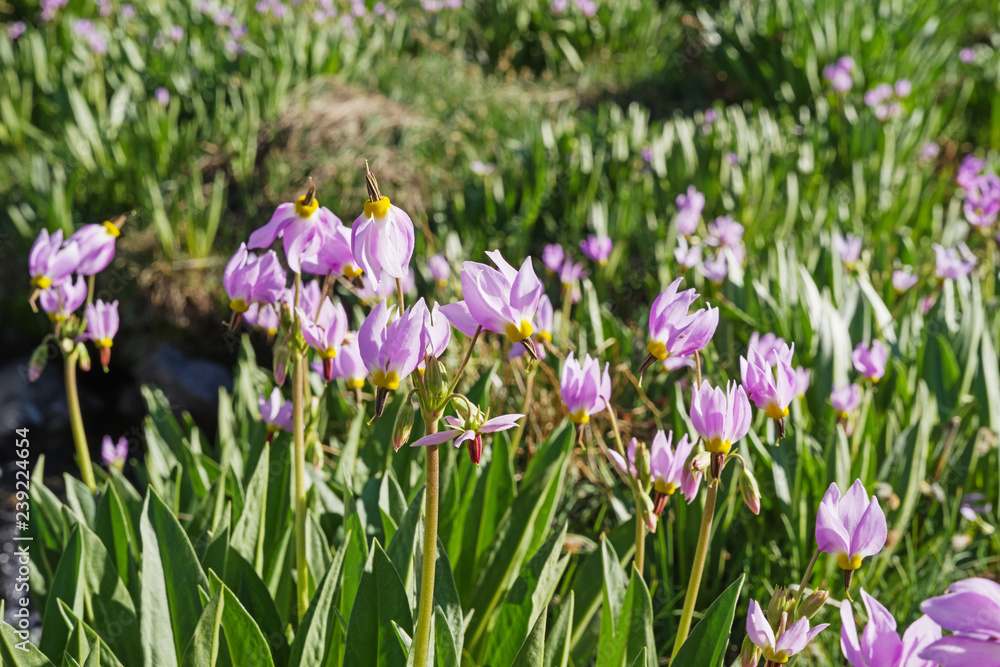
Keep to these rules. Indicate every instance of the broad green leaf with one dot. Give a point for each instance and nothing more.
(18, 651)
(707, 643)
(449, 626)
(248, 534)
(404, 545)
(613, 589)
(315, 634)
(381, 599)
(356, 556)
(941, 372)
(108, 658)
(112, 526)
(243, 582)
(94, 658)
(532, 652)
(557, 643)
(203, 649)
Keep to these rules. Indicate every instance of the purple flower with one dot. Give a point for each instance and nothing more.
(304, 228)
(971, 610)
(162, 96)
(250, 279)
(96, 244)
(768, 344)
(879, 645)
(127, 12)
(349, 366)
(839, 74)
(469, 430)
(770, 382)
(930, 151)
(176, 34)
(903, 88)
(845, 399)
(687, 256)
(263, 317)
(802, 377)
(436, 332)
(597, 248)
(675, 332)
(382, 240)
(848, 248)
(585, 389)
(669, 470)
(114, 453)
(587, 7)
(502, 300)
(440, 269)
(968, 170)
(967, 55)
(15, 30)
(715, 268)
(628, 467)
(953, 263)
(973, 505)
(878, 95)
(85, 29)
(689, 208)
(982, 201)
(870, 360)
(335, 256)
(542, 329)
(724, 232)
(790, 642)
(275, 412)
(102, 325)
(50, 262)
(61, 301)
(903, 279)
(851, 527)
(720, 417)
(326, 334)
(552, 257)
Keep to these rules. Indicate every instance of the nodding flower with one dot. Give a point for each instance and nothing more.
(251, 279)
(97, 247)
(689, 208)
(552, 257)
(669, 470)
(585, 388)
(50, 261)
(880, 644)
(788, 642)
(334, 256)
(903, 279)
(770, 382)
(275, 412)
(440, 269)
(62, 301)
(845, 399)
(102, 325)
(675, 332)
(850, 527)
(870, 360)
(326, 334)
(114, 453)
(303, 226)
(470, 431)
(597, 248)
(848, 249)
(382, 237)
(721, 418)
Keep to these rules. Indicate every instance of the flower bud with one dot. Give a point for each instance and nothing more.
(812, 604)
(84, 356)
(468, 412)
(750, 491)
(749, 654)
(281, 359)
(436, 381)
(642, 464)
(646, 510)
(700, 462)
(404, 424)
(781, 602)
(37, 361)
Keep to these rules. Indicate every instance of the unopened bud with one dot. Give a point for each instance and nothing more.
(281, 358)
(467, 411)
(476, 448)
(84, 356)
(750, 491)
(749, 653)
(36, 364)
(436, 381)
(404, 424)
(642, 464)
(646, 511)
(812, 604)
(781, 602)
(700, 462)
(67, 345)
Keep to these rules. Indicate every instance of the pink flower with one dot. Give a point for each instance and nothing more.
(114, 453)
(770, 383)
(469, 431)
(880, 646)
(326, 334)
(715, 268)
(250, 279)
(953, 263)
(501, 300)
(275, 412)
(870, 360)
(552, 257)
(102, 325)
(96, 244)
(585, 389)
(851, 527)
(62, 301)
(846, 399)
(673, 331)
(790, 642)
(848, 248)
(903, 279)
(263, 317)
(971, 610)
(303, 226)
(722, 418)
(597, 248)
(669, 469)
(687, 256)
(50, 262)
(802, 376)
(382, 240)
(689, 208)
(440, 269)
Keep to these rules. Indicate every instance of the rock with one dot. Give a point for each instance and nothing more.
(189, 383)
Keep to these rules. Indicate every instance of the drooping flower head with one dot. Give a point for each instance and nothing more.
(570, 273)
(971, 611)
(715, 267)
(382, 237)
(114, 453)
(969, 170)
(720, 417)
(436, 332)
(802, 377)
(97, 247)
(675, 332)
(303, 226)
(787, 644)
(597, 248)
(870, 360)
(334, 256)
(972, 506)
(440, 269)
(669, 471)
(768, 344)
(689, 208)
(263, 317)
(275, 412)
(326, 333)
(982, 200)
(349, 366)
(62, 301)
(50, 262)
(501, 300)
(953, 263)
(688, 256)
(102, 325)
(724, 232)
(903, 279)
(552, 257)
(848, 249)
(585, 388)
(845, 399)
(470, 431)
(251, 279)
(880, 645)
(770, 382)
(850, 527)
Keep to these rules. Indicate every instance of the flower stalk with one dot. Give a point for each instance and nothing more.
(76, 421)
(697, 567)
(425, 608)
(637, 493)
(299, 456)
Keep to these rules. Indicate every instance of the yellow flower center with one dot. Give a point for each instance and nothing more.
(388, 380)
(545, 335)
(303, 210)
(239, 306)
(111, 229)
(41, 282)
(668, 488)
(328, 353)
(874, 379)
(843, 415)
(775, 412)
(377, 209)
(779, 657)
(658, 349)
(442, 283)
(845, 563)
(103, 342)
(603, 262)
(579, 417)
(718, 446)
(352, 271)
(517, 334)
(356, 383)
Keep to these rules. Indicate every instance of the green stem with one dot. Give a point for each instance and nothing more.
(640, 541)
(465, 362)
(299, 456)
(425, 609)
(76, 422)
(640, 525)
(567, 304)
(697, 567)
(805, 577)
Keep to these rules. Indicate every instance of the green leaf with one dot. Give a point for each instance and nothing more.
(634, 631)
(315, 634)
(94, 659)
(941, 371)
(112, 526)
(381, 600)
(404, 545)
(707, 643)
(253, 594)
(449, 627)
(248, 534)
(203, 649)
(613, 597)
(171, 576)
(18, 651)
(532, 652)
(557, 643)
(244, 640)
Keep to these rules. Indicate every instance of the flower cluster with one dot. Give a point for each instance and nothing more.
(840, 75)
(885, 99)
(721, 246)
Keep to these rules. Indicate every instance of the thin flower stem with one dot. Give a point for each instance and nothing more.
(640, 526)
(465, 361)
(697, 368)
(399, 294)
(617, 433)
(640, 541)
(90, 288)
(805, 577)
(697, 567)
(299, 451)
(425, 609)
(76, 422)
